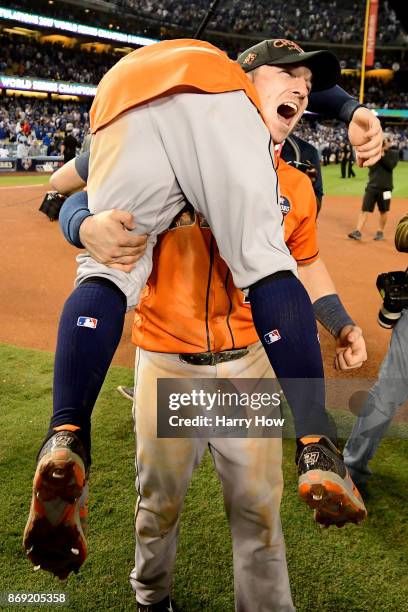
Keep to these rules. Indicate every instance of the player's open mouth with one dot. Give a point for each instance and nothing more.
(287, 111)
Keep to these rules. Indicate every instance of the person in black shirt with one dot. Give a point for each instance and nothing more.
(347, 160)
(297, 150)
(69, 146)
(378, 191)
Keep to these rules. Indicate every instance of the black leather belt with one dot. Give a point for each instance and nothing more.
(213, 358)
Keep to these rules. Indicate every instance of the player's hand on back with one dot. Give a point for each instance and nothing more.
(107, 238)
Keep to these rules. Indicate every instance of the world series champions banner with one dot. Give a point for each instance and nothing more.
(30, 164)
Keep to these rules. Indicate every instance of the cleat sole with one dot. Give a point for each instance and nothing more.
(53, 537)
(317, 492)
(334, 503)
(59, 473)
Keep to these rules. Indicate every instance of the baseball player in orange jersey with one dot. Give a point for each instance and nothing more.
(180, 282)
(252, 493)
(190, 145)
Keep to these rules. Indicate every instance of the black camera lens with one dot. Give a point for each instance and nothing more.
(388, 319)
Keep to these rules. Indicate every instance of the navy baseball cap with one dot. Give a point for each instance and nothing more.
(323, 64)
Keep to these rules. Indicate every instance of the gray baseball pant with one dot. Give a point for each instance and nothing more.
(388, 393)
(250, 471)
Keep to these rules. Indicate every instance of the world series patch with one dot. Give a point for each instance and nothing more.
(284, 205)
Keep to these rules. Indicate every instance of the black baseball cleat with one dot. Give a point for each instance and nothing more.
(325, 483)
(165, 605)
(54, 537)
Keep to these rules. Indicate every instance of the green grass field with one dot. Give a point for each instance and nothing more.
(40, 179)
(333, 184)
(332, 181)
(349, 570)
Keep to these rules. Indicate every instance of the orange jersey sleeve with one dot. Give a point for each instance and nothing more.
(211, 313)
(298, 204)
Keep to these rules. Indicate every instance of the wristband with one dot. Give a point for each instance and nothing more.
(330, 312)
(73, 212)
(348, 109)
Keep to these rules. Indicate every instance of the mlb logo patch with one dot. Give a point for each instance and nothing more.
(272, 336)
(87, 322)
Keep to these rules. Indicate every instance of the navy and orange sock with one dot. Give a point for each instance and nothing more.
(284, 319)
(90, 329)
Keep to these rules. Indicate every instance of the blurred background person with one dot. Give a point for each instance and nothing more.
(69, 144)
(378, 191)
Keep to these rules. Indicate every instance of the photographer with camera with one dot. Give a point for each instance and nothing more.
(391, 388)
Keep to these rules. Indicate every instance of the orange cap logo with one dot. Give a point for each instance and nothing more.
(249, 59)
(282, 42)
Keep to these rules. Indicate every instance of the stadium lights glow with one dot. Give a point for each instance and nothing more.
(58, 87)
(75, 28)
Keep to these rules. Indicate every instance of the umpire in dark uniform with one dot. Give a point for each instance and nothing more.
(378, 191)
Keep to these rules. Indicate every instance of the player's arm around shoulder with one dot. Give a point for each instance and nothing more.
(107, 235)
(66, 179)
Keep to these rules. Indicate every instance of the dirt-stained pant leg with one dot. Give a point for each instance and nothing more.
(251, 477)
(163, 471)
(213, 150)
(250, 472)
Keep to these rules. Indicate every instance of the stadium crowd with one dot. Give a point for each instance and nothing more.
(44, 121)
(40, 124)
(24, 56)
(335, 21)
(328, 138)
(378, 93)
(29, 57)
